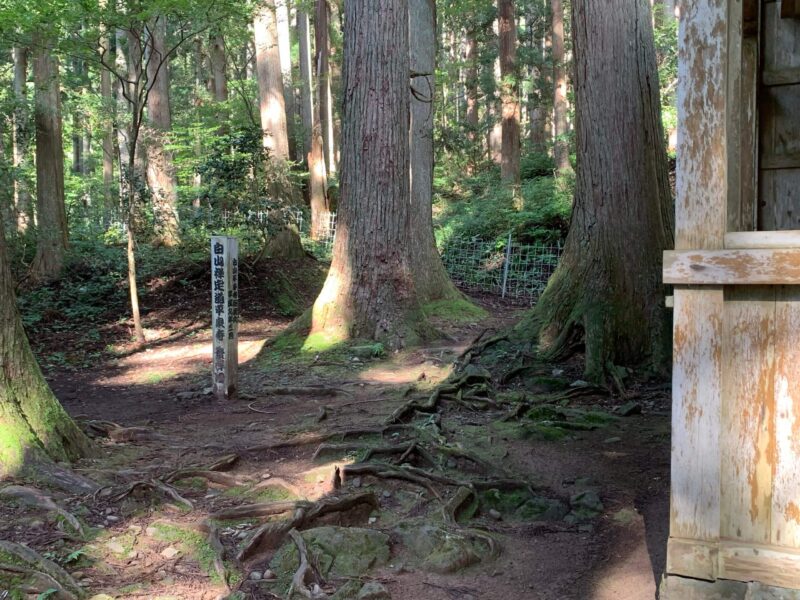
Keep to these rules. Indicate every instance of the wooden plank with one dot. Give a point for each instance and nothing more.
(731, 267)
(782, 77)
(780, 127)
(768, 565)
(747, 415)
(780, 161)
(781, 40)
(702, 151)
(696, 398)
(748, 240)
(786, 486)
(748, 160)
(779, 205)
(691, 558)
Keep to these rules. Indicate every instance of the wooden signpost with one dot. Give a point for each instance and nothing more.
(224, 315)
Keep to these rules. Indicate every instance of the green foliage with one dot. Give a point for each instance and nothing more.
(481, 207)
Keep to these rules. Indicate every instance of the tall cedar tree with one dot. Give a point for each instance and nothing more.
(51, 239)
(608, 283)
(509, 92)
(161, 178)
(560, 142)
(370, 290)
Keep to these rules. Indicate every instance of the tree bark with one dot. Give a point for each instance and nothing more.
(560, 142)
(218, 68)
(285, 52)
(608, 283)
(161, 177)
(494, 133)
(270, 83)
(370, 290)
(34, 428)
(318, 174)
(51, 211)
(20, 138)
(108, 133)
(471, 88)
(306, 83)
(430, 278)
(509, 92)
(322, 60)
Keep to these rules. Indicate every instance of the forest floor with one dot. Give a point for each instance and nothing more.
(570, 497)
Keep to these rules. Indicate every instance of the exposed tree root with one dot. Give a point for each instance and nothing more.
(271, 535)
(153, 484)
(212, 537)
(222, 479)
(319, 437)
(35, 498)
(452, 507)
(42, 574)
(305, 573)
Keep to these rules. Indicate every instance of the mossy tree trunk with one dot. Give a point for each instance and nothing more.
(370, 291)
(34, 428)
(607, 291)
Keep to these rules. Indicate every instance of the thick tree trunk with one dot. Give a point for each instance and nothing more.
(108, 133)
(471, 88)
(161, 177)
(318, 174)
(325, 99)
(494, 134)
(285, 52)
(509, 92)
(270, 83)
(560, 142)
(608, 283)
(430, 278)
(20, 138)
(306, 83)
(51, 211)
(34, 428)
(370, 290)
(218, 63)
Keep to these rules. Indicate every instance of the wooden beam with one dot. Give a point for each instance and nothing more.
(781, 77)
(727, 559)
(732, 267)
(749, 240)
(692, 558)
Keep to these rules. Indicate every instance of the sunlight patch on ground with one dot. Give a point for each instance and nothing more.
(391, 374)
(154, 365)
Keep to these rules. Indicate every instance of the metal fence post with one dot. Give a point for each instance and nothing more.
(505, 267)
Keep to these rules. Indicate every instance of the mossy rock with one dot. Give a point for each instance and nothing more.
(336, 551)
(435, 549)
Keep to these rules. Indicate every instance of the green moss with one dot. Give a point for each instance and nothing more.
(193, 543)
(194, 483)
(322, 341)
(267, 493)
(157, 377)
(459, 310)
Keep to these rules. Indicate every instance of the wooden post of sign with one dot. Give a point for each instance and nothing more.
(224, 315)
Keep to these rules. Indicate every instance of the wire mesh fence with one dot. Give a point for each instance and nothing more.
(518, 272)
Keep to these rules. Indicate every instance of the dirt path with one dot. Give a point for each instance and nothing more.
(616, 554)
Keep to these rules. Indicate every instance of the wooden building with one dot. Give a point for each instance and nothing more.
(735, 503)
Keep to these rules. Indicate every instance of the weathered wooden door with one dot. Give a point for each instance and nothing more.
(735, 504)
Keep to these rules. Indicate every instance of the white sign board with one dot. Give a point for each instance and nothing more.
(224, 315)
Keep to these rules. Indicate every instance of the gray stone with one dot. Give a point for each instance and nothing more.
(438, 550)
(630, 408)
(256, 575)
(373, 591)
(170, 552)
(495, 514)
